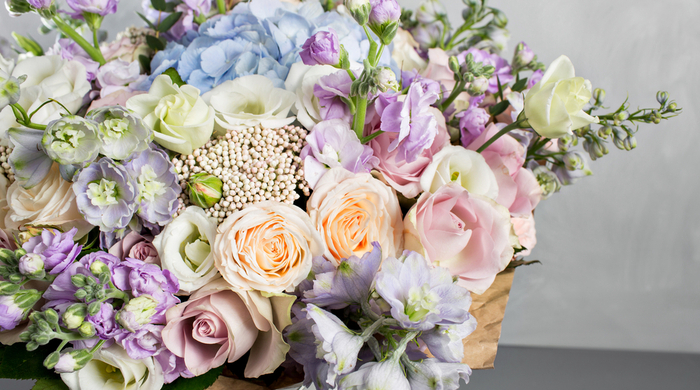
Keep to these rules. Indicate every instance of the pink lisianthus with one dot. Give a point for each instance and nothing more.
(220, 324)
(471, 235)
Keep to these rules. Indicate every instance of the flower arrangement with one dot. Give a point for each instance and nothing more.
(274, 191)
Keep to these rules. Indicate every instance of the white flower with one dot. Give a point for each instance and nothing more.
(405, 53)
(301, 80)
(182, 121)
(249, 101)
(48, 77)
(553, 107)
(466, 167)
(112, 368)
(184, 248)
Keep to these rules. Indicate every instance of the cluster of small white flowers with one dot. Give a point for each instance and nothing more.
(254, 165)
(5, 165)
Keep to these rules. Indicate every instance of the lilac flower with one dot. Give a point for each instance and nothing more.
(138, 278)
(71, 51)
(349, 284)
(119, 75)
(333, 144)
(421, 297)
(432, 374)
(384, 11)
(445, 341)
(501, 73)
(143, 343)
(100, 7)
(157, 184)
(332, 92)
(534, 78)
(106, 194)
(58, 249)
(10, 314)
(472, 121)
(413, 120)
(321, 48)
(172, 365)
(387, 374)
(105, 322)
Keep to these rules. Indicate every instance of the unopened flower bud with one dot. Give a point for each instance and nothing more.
(604, 132)
(94, 308)
(98, 267)
(573, 161)
(360, 10)
(454, 65)
(322, 48)
(26, 299)
(9, 89)
(599, 96)
(32, 265)
(523, 55)
(548, 181)
(629, 143)
(662, 97)
(8, 288)
(51, 316)
(205, 190)
(479, 86)
(386, 79)
(431, 11)
(72, 361)
(51, 360)
(17, 7)
(87, 329)
(384, 19)
(566, 142)
(74, 315)
(622, 116)
(672, 106)
(499, 19)
(137, 312)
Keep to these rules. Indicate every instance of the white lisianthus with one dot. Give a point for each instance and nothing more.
(301, 80)
(184, 248)
(112, 368)
(48, 77)
(249, 101)
(182, 121)
(466, 167)
(554, 106)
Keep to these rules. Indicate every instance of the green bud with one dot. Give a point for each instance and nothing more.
(44, 326)
(98, 267)
(32, 346)
(25, 336)
(26, 299)
(7, 256)
(622, 116)
(629, 143)
(15, 277)
(51, 316)
(18, 7)
(78, 280)
(82, 357)
(573, 161)
(7, 288)
(94, 308)
(662, 97)
(604, 132)
(104, 278)
(100, 294)
(672, 106)
(205, 190)
(386, 32)
(52, 359)
(75, 315)
(599, 96)
(80, 294)
(499, 18)
(138, 311)
(344, 61)
(360, 10)
(94, 21)
(454, 65)
(42, 339)
(385, 79)
(86, 329)
(548, 180)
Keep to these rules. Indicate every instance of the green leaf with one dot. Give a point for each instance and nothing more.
(168, 22)
(158, 5)
(145, 63)
(50, 384)
(174, 76)
(145, 19)
(18, 363)
(155, 43)
(499, 108)
(197, 383)
(28, 44)
(170, 7)
(519, 85)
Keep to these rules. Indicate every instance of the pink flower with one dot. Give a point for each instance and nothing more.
(137, 247)
(403, 176)
(117, 98)
(220, 323)
(525, 230)
(466, 233)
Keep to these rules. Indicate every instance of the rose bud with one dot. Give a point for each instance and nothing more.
(205, 190)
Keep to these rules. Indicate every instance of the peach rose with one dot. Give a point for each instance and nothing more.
(353, 210)
(220, 323)
(268, 246)
(469, 234)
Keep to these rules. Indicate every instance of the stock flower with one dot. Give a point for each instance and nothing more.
(351, 211)
(332, 92)
(321, 48)
(502, 69)
(554, 106)
(100, 7)
(172, 365)
(59, 249)
(302, 80)
(158, 187)
(268, 246)
(384, 11)
(141, 343)
(121, 132)
(10, 314)
(472, 121)
(119, 75)
(138, 278)
(465, 167)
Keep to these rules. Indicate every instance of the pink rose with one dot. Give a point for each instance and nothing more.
(137, 247)
(220, 323)
(117, 98)
(518, 189)
(525, 230)
(469, 234)
(403, 176)
(439, 70)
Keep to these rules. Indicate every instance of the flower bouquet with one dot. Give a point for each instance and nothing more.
(272, 194)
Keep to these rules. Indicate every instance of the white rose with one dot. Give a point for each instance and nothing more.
(553, 107)
(112, 368)
(405, 53)
(301, 80)
(48, 77)
(249, 101)
(467, 167)
(182, 121)
(50, 203)
(184, 248)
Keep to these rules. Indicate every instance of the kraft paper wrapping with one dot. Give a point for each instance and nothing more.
(226, 383)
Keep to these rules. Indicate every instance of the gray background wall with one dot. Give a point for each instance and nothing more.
(620, 251)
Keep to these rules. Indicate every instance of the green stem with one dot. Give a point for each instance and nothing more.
(371, 136)
(379, 55)
(95, 42)
(221, 6)
(352, 76)
(512, 126)
(97, 346)
(20, 113)
(360, 113)
(459, 88)
(460, 30)
(93, 52)
(369, 312)
(372, 46)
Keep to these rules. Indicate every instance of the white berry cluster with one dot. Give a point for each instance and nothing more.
(254, 165)
(5, 165)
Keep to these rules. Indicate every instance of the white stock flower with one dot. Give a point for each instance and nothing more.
(249, 101)
(554, 106)
(466, 167)
(301, 80)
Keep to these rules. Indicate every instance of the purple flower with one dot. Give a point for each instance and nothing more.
(200, 7)
(322, 48)
(105, 323)
(172, 365)
(472, 121)
(501, 73)
(421, 297)
(58, 248)
(412, 119)
(432, 374)
(106, 195)
(139, 278)
(10, 314)
(333, 144)
(534, 78)
(332, 91)
(143, 343)
(40, 4)
(99, 7)
(445, 341)
(32, 265)
(71, 51)
(158, 187)
(523, 56)
(384, 11)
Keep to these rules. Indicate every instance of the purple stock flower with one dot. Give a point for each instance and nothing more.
(525, 55)
(105, 322)
(501, 73)
(71, 51)
(139, 278)
(106, 195)
(472, 121)
(10, 314)
(58, 248)
(143, 343)
(420, 296)
(534, 78)
(158, 187)
(332, 91)
(322, 48)
(412, 119)
(384, 11)
(333, 144)
(40, 4)
(99, 7)
(172, 365)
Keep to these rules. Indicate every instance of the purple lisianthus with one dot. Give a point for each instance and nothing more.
(138, 278)
(58, 249)
(332, 91)
(472, 121)
(99, 7)
(71, 51)
(501, 73)
(106, 195)
(333, 144)
(158, 187)
(322, 48)
(384, 11)
(143, 343)
(172, 365)
(412, 119)
(10, 314)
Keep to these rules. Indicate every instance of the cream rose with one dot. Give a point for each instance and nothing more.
(184, 247)
(49, 203)
(554, 106)
(466, 167)
(351, 211)
(301, 80)
(182, 121)
(268, 246)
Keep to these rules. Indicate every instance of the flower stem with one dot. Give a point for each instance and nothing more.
(371, 136)
(459, 88)
(504, 131)
(95, 42)
(93, 52)
(360, 113)
(369, 312)
(379, 55)
(221, 5)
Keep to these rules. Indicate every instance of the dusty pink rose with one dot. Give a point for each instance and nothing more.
(469, 234)
(404, 177)
(137, 247)
(219, 324)
(518, 189)
(525, 230)
(117, 98)
(128, 45)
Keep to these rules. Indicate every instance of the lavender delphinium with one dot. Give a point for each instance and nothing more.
(158, 186)
(121, 131)
(58, 249)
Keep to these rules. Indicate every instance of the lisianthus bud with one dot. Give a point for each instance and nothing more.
(71, 140)
(137, 312)
(32, 264)
(384, 19)
(322, 48)
(360, 10)
(74, 316)
(205, 190)
(386, 79)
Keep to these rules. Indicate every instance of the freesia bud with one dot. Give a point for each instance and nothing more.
(205, 190)
(360, 10)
